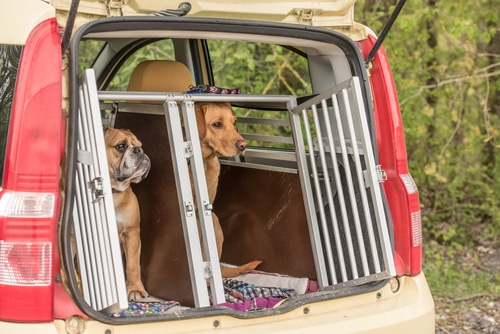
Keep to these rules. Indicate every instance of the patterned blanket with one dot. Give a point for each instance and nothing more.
(239, 296)
(237, 291)
(143, 308)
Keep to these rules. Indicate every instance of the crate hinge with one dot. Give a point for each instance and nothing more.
(381, 174)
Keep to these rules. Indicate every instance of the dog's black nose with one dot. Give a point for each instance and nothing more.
(137, 150)
(241, 145)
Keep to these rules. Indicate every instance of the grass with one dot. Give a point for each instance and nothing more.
(465, 288)
(455, 271)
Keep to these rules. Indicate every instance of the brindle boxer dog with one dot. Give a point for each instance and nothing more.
(127, 164)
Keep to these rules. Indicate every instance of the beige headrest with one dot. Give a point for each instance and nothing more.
(160, 76)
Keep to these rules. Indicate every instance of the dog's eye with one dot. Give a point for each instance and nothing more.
(217, 125)
(120, 148)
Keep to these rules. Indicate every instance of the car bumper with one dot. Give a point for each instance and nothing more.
(406, 309)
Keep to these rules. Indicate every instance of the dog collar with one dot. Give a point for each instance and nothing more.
(203, 89)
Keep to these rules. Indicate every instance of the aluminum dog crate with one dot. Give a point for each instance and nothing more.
(330, 149)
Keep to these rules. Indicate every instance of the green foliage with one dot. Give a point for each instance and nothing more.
(258, 68)
(457, 272)
(445, 58)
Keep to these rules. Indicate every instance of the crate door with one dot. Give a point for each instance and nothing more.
(341, 185)
(97, 245)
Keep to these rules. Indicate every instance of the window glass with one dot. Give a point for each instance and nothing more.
(9, 65)
(163, 49)
(88, 51)
(260, 68)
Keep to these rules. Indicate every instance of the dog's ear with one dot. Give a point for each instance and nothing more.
(200, 111)
(105, 128)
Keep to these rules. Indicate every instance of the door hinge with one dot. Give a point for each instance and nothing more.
(112, 5)
(305, 16)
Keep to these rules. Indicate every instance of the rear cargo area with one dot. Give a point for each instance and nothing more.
(305, 200)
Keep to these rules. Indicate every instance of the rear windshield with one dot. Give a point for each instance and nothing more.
(9, 65)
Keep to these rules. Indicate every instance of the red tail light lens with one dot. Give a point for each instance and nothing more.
(29, 199)
(400, 189)
(25, 264)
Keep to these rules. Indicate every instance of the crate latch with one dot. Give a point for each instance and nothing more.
(97, 189)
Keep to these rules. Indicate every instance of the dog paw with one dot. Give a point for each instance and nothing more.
(135, 295)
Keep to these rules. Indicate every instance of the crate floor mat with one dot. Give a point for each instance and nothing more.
(256, 290)
(243, 296)
(250, 291)
(148, 306)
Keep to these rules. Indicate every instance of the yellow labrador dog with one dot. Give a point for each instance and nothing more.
(219, 138)
(127, 164)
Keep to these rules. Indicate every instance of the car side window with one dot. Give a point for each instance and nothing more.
(259, 68)
(88, 51)
(163, 49)
(9, 66)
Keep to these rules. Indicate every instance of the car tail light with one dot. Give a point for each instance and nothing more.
(30, 199)
(400, 189)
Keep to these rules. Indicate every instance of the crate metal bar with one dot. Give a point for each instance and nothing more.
(351, 193)
(374, 180)
(329, 199)
(317, 242)
(363, 193)
(357, 174)
(92, 135)
(85, 250)
(107, 230)
(204, 206)
(187, 205)
(338, 180)
(309, 204)
(162, 97)
(96, 233)
(92, 229)
(329, 193)
(95, 138)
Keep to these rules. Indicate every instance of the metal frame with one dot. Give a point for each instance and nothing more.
(334, 159)
(355, 240)
(96, 234)
(186, 155)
